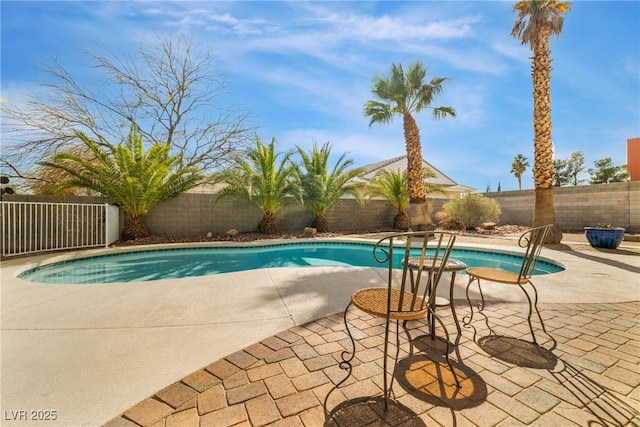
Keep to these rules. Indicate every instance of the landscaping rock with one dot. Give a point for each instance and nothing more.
(309, 231)
(232, 232)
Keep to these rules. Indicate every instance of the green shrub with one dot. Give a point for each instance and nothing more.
(469, 212)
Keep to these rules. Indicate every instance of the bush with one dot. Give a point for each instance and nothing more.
(469, 212)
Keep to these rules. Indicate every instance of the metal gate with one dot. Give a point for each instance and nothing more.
(30, 227)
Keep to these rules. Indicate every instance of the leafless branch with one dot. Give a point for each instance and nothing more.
(167, 87)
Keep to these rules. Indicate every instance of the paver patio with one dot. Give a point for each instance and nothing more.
(591, 378)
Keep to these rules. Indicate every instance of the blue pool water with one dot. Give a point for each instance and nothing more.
(162, 264)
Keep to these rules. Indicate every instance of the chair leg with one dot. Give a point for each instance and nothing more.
(446, 353)
(467, 319)
(386, 386)
(452, 304)
(395, 363)
(533, 335)
(480, 304)
(535, 306)
(409, 338)
(346, 357)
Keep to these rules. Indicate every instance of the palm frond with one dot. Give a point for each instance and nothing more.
(263, 177)
(125, 173)
(323, 186)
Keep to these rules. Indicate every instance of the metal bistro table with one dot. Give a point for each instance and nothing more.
(452, 266)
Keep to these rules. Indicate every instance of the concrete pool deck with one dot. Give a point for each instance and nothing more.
(94, 352)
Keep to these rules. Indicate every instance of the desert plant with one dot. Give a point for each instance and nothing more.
(323, 187)
(392, 186)
(469, 212)
(130, 176)
(263, 177)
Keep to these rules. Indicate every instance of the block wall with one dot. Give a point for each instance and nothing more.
(192, 214)
(577, 207)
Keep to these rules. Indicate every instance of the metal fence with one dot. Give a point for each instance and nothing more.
(29, 227)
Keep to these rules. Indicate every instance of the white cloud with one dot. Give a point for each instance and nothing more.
(363, 27)
(362, 146)
(513, 49)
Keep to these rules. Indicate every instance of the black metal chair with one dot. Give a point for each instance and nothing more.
(412, 279)
(532, 240)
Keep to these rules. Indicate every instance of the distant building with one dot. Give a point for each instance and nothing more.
(453, 189)
(633, 158)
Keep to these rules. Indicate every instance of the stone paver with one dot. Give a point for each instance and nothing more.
(284, 380)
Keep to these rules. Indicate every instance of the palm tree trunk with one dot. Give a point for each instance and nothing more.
(320, 223)
(401, 221)
(417, 192)
(543, 170)
(268, 224)
(135, 228)
(418, 209)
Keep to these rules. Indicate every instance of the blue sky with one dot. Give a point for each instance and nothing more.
(304, 71)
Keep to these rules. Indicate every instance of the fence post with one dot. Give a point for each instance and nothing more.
(106, 225)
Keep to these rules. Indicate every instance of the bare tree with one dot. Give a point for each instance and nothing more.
(168, 88)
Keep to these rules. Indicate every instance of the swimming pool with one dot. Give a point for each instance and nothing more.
(161, 264)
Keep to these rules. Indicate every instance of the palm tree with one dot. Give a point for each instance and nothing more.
(393, 187)
(260, 178)
(519, 165)
(323, 189)
(135, 179)
(537, 20)
(404, 94)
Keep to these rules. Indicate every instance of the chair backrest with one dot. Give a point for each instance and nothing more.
(532, 240)
(415, 262)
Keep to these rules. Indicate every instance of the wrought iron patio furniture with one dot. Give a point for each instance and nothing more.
(413, 274)
(451, 266)
(532, 241)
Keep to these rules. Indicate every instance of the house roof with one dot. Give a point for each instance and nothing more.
(400, 164)
(369, 171)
